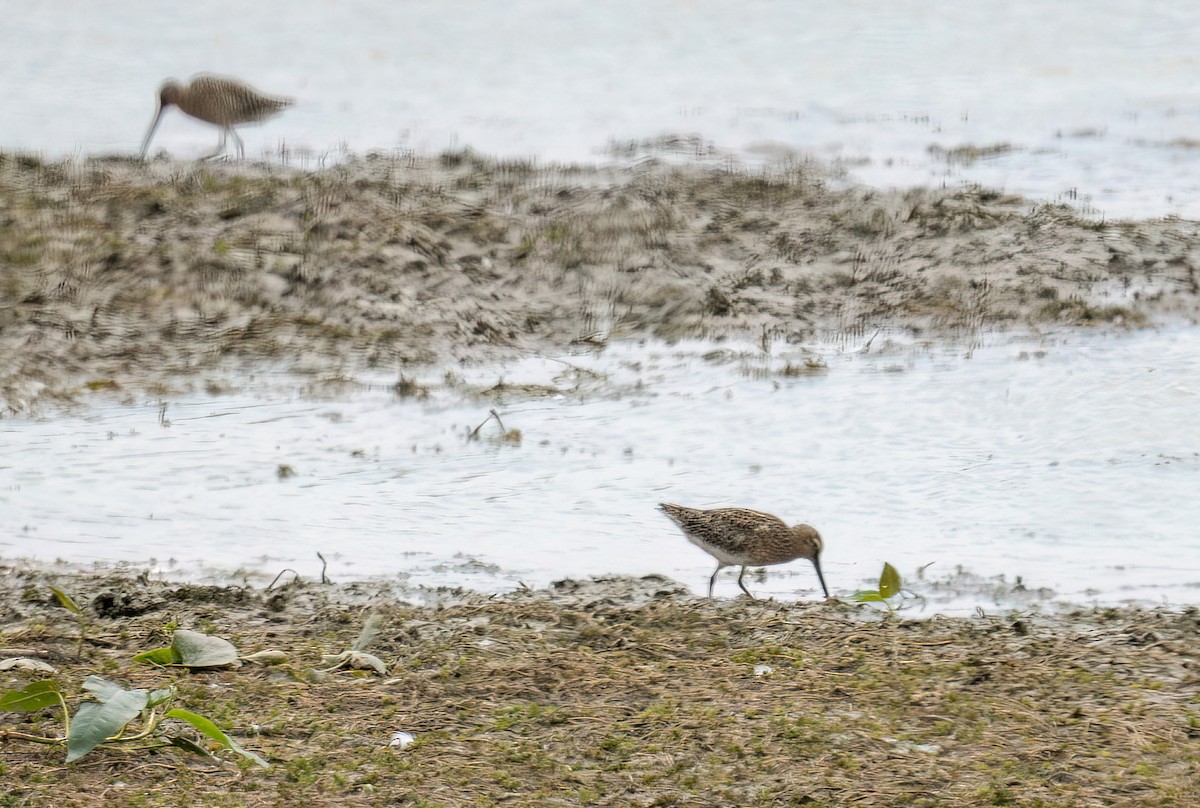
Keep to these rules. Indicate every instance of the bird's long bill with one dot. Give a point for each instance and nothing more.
(150, 132)
(820, 577)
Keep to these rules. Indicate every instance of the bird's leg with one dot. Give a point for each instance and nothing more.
(713, 579)
(220, 147)
(742, 585)
(241, 147)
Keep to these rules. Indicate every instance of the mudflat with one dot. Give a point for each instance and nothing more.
(121, 276)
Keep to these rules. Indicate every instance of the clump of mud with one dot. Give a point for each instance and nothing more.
(118, 276)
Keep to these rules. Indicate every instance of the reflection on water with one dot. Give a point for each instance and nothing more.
(1073, 463)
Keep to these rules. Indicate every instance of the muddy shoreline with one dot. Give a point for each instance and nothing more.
(123, 279)
(169, 276)
(614, 692)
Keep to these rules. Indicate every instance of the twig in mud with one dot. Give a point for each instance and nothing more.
(324, 564)
(280, 575)
(867, 345)
(491, 414)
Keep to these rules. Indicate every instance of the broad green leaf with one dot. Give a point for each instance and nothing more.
(66, 600)
(104, 690)
(160, 696)
(198, 650)
(213, 731)
(95, 723)
(868, 596)
(889, 581)
(34, 696)
(159, 656)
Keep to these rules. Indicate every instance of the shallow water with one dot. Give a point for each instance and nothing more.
(1072, 462)
(1095, 100)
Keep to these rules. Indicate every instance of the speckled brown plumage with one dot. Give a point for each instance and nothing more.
(736, 536)
(220, 100)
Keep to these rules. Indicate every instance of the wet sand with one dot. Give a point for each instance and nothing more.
(171, 276)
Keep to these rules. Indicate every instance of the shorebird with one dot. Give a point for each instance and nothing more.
(220, 100)
(750, 538)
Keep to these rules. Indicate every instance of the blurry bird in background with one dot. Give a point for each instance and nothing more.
(220, 100)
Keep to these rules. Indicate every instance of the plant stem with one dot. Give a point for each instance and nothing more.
(66, 714)
(12, 733)
(152, 722)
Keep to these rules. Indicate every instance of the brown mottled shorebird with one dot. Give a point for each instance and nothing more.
(749, 538)
(219, 100)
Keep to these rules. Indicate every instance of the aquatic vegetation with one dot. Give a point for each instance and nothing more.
(889, 587)
(104, 720)
(70, 604)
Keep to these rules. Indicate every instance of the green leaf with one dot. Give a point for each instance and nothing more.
(104, 690)
(213, 731)
(158, 656)
(198, 650)
(191, 746)
(66, 600)
(868, 596)
(160, 696)
(889, 581)
(34, 696)
(95, 723)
